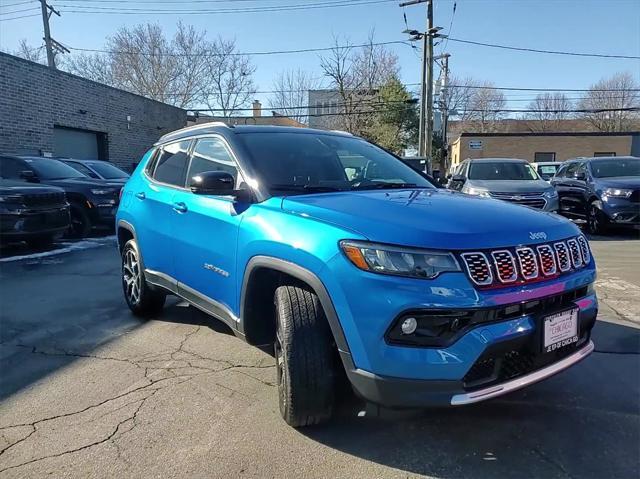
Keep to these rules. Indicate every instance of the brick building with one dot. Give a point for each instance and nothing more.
(45, 111)
(543, 146)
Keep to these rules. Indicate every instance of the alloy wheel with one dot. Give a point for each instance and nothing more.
(131, 276)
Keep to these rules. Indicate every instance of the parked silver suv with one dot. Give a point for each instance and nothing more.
(507, 179)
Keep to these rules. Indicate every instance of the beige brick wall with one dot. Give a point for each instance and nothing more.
(525, 147)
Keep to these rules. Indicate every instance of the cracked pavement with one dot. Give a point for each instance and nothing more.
(87, 390)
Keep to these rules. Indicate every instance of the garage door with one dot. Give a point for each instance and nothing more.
(73, 143)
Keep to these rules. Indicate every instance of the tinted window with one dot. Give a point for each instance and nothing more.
(572, 169)
(10, 168)
(501, 170)
(562, 171)
(211, 154)
(615, 167)
(107, 170)
(81, 168)
(302, 160)
(172, 163)
(49, 169)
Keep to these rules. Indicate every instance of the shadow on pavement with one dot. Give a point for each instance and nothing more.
(584, 422)
(616, 235)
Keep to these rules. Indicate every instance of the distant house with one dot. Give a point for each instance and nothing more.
(543, 146)
(255, 119)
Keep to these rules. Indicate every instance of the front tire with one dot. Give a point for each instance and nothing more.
(80, 226)
(304, 358)
(142, 299)
(597, 222)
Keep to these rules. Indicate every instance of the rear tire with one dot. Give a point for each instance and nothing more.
(304, 358)
(80, 222)
(143, 300)
(597, 222)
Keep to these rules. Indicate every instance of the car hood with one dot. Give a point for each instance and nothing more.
(80, 182)
(511, 186)
(432, 218)
(8, 187)
(619, 182)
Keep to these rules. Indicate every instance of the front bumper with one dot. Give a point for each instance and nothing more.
(35, 222)
(621, 211)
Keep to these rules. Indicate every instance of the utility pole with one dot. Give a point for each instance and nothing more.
(425, 133)
(49, 42)
(445, 110)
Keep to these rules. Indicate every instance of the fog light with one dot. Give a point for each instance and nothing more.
(409, 326)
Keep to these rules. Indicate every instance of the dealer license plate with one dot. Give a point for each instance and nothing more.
(560, 330)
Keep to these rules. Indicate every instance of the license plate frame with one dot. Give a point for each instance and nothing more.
(560, 329)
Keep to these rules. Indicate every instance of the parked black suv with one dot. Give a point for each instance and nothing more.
(93, 203)
(36, 214)
(102, 170)
(604, 191)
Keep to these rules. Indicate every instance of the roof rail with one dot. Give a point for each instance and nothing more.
(194, 128)
(342, 131)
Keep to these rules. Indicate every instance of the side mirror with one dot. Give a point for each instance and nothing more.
(29, 175)
(217, 183)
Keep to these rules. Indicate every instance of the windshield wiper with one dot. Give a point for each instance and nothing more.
(381, 185)
(306, 188)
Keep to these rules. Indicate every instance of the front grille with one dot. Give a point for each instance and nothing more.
(44, 199)
(547, 260)
(533, 200)
(576, 255)
(505, 266)
(478, 268)
(526, 263)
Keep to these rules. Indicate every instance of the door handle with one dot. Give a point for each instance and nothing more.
(140, 195)
(180, 207)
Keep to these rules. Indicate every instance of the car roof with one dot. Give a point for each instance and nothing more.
(224, 129)
(512, 160)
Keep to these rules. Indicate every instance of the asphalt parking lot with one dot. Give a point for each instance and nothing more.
(87, 390)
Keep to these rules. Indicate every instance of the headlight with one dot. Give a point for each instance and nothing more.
(550, 194)
(477, 192)
(399, 261)
(618, 192)
(101, 192)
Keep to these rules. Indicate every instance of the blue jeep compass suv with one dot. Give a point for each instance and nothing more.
(345, 259)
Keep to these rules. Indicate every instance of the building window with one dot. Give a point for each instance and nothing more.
(541, 156)
(604, 153)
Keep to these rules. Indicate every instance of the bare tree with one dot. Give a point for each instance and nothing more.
(291, 89)
(485, 106)
(31, 53)
(185, 70)
(356, 75)
(619, 92)
(456, 98)
(547, 111)
(230, 75)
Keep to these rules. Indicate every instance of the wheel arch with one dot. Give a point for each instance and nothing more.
(125, 232)
(262, 276)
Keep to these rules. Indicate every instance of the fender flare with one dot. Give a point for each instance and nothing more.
(305, 276)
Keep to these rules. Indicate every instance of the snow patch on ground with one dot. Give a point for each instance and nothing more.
(62, 248)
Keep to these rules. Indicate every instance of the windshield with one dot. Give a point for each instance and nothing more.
(501, 170)
(107, 170)
(49, 169)
(615, 167)
(547, 171)
(307, 162)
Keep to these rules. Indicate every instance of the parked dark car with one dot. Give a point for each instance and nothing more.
(93, 203)
(37, 214)
(604, 191)
(97, 169)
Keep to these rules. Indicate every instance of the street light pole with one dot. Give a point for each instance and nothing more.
(429, 85)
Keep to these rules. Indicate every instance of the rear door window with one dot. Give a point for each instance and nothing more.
(171, 165)
(10, 168)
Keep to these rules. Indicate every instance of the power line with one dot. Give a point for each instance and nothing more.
(271, 8)
(258, 53)
(17, 18)
(551, 52)
(20, 11)
(16, 4)
(453, 15)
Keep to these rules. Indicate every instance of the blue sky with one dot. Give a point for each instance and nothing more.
(601, 26)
